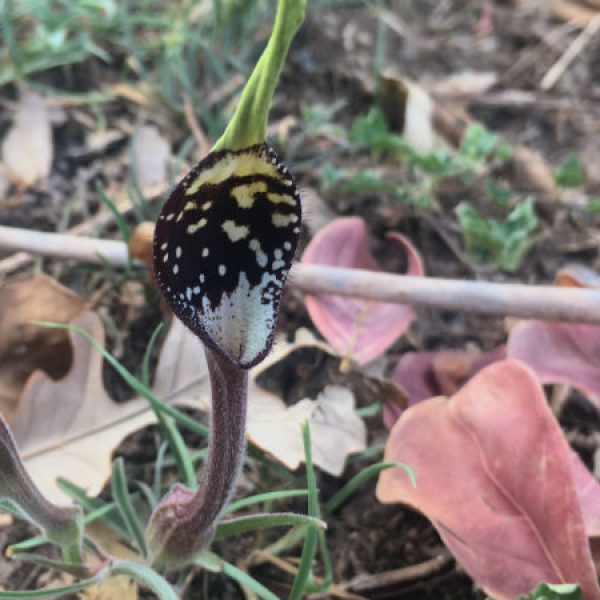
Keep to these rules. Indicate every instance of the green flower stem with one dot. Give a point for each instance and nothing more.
(249, 123)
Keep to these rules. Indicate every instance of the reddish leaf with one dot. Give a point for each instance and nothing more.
(559, 352)
(588, 490)
(422, 375)
(493, 473)
(356, 328)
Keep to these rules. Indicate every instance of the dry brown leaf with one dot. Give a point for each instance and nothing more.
(337, 431)
(577, 275)
(4, 181)
(27, 148)
(531, 172)
(465, 84)
(150, 154)
(120, 587)
(25, 347)
(578, 12)
(69, 428)
(408, 108)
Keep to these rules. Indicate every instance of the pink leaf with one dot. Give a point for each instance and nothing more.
(493, 473)
(422, 375)
(588, 490)
(356, 328)
(559, 352)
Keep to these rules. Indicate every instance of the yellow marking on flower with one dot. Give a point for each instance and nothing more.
(281, 199)
(234, 231)
(281, 220)
(234, 165)
(195, 226)
(246, 194)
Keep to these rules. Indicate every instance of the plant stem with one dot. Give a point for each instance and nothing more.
(62, 525)
(249, 123)
(229, 390)
(184, 522)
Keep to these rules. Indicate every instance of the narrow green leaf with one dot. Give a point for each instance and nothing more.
(158, 467)
(76, 570)
(266, 497)
(112, 207)
(92, 504)
(239, 525)
(211, 562)
(310, 541)
(148, 494)
(125, 505)
(369, 411)
(146, 576)
(145, 373)
(360, 478)
(56, 592)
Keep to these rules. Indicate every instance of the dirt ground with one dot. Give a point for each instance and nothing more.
(379, 552)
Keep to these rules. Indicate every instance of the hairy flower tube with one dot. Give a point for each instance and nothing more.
(62, 525)
(223, 247)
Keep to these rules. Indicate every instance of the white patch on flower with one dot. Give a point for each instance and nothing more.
(261, 257)
(243, 322)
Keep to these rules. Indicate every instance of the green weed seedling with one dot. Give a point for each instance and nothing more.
(496, 243)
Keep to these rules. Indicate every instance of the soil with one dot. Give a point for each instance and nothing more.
(379, 552)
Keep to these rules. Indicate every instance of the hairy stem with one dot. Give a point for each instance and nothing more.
(229, 386)
(249, 123)
(61, 524)
(184, 522)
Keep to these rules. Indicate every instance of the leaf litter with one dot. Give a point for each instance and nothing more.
(68, 427)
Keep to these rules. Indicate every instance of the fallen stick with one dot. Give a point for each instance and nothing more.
(64, 245)
(500, 299)
(576, 47)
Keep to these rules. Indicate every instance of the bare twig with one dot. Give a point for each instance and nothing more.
(367, 584)
(197, 131)
(562, 64)
(519, 300)
(19, 260)
(84, 249)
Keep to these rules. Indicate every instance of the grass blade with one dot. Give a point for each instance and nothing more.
(146, 576)
(56, 592)
(92, 504)
(264, 520)
(373, 470)
(211, 562)
(125, 505)
(310, 541)
(266, 497)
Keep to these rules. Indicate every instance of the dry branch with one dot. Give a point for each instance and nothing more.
(500, 299)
